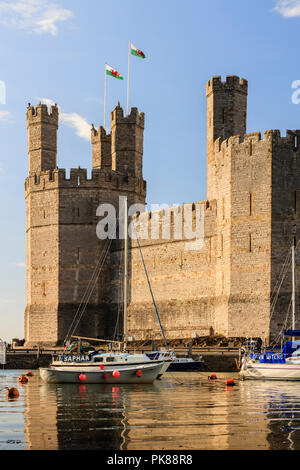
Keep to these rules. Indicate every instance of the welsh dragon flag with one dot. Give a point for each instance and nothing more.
(137, 52)
(113, 73)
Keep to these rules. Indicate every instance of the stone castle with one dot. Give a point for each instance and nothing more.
(251, 219)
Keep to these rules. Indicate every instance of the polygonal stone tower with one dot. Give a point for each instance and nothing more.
(62, 246)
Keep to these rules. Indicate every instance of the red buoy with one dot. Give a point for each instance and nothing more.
(12, 393)
(102, 367)
(230, 382)
(82, 377)
(139, 373)
(22, 379)
(116, 374)
(212, 377)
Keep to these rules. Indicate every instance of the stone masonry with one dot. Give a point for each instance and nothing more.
(227, 286)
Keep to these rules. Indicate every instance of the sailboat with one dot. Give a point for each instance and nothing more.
(115, 366)
(271, 366)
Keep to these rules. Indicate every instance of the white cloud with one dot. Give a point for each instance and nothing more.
(82, 127)
(5, 116)
(288, 8)
(79, 123)
(39, 16)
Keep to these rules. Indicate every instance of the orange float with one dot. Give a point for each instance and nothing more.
(230, 383)
(22, 379)
(12, 393)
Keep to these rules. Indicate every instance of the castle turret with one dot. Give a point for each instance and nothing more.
(101, 144)
(226, 116)
(127, 142)
(63, 248)
(42, 138)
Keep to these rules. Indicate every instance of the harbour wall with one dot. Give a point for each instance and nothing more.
(213, 360)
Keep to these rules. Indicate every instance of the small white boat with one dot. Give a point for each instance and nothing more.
(129, 374)
(90, 365)
(271, 367)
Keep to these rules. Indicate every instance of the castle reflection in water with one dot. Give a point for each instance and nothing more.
(180, 412)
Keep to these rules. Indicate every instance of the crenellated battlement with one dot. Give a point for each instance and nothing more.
(100, 133)
(271, 137)
(117, 117)
(186, 222)
(100, 179)
(232, 82)
(40, 113)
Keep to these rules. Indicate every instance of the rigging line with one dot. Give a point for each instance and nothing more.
(283, 271)
(120, 296)
(94, 277)
(84, 307)
(92, 288)
(150, 288)
(285, 322)
(273, 303)
(85, 294)
(276, 340)
(283, 268)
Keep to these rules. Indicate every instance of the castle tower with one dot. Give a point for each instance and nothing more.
(62, 245)
(226, 117)
(101, 145)
(42, 138)
(127, 142)
(255, 182)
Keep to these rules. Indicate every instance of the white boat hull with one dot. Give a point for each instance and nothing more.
(128, 375)
(261, 371)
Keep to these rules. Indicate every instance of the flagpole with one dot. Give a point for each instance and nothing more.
(128, 77)
(105, 99)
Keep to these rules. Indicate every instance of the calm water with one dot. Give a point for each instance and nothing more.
(182, 411)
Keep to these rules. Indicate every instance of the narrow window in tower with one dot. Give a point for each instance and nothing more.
(250, 243)
(251, 148)
(295, 241)
(250, 203)
(78, 212)
(296, 142)
(78, 254)
(78, 180)
(44, 214)
(222, 245)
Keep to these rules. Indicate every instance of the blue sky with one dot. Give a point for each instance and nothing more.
(56, 50)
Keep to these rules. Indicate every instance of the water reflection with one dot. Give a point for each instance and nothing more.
(183, 411)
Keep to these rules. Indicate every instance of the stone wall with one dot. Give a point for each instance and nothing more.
(225, 286)
(182, 279)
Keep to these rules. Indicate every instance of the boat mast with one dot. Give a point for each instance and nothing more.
(125, 270)
(294, 288)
